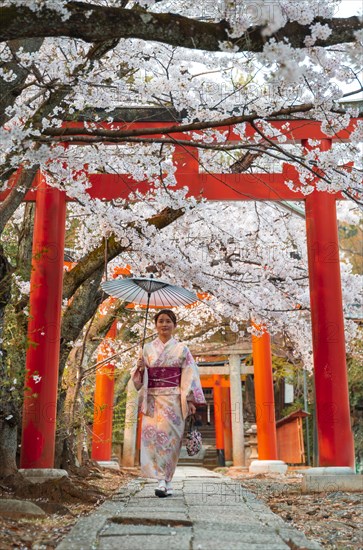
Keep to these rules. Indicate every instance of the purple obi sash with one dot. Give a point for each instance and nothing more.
(164, 377)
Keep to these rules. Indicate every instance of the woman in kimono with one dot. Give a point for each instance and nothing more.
(169, 389)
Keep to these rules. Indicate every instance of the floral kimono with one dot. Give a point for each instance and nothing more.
(170, 380)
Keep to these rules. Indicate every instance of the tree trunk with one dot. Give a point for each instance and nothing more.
(5, 290)
(9, 408)
(8, 416)
(25, 240)
(9, 419)
(85, 302)
(8, 443)
(71, 412)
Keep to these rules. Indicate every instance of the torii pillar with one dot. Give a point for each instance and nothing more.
(41, 382)
(227, 426)
(218, 418)
(238, 443)
(103, 407)
(265, 407)
(335, 437)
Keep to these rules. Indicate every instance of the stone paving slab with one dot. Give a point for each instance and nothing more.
(155, 515)
(146, 512)
(150, 542)
(206, 512)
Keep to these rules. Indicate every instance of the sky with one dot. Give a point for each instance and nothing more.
(350, 7)
(346, 9)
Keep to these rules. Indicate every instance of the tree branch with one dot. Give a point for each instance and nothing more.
(93, 23)
(16, 196)
(177, 128)
(96, 258)
(56, 98)
(91, 140)
(9, 91)
(85, 302)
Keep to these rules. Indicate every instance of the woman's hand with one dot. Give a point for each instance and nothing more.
(191, 408)
(140, 364)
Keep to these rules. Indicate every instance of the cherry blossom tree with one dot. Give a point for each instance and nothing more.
(207, 65)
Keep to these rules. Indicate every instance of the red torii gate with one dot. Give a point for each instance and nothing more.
(336, 446)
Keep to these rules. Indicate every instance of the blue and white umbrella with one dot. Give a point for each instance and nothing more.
(149, 292)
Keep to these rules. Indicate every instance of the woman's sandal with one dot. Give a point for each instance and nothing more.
(161, 492)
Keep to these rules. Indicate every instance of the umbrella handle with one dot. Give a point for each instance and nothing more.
(147, 312)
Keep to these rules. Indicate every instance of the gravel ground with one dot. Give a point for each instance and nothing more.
(45, 534)
(335, 519)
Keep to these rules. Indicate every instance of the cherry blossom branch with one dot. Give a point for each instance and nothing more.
(177, 128)
(294, 158)
(96, 257)
(16, 195)
(93, 23)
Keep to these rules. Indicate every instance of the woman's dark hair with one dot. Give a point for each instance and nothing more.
(167, 312)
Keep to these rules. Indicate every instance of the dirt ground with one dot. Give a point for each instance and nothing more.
(335, 520)
(64, 502)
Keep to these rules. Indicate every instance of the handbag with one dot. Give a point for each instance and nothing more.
(193, 439)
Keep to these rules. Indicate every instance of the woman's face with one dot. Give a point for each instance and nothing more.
(165, 326)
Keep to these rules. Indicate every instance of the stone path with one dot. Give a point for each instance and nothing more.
(206, 512)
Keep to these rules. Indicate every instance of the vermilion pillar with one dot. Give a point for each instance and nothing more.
(335, 438)
(103, 405)
(238, 441)
(227, 426)
(186, 160)
(264, 397)
(42, 360)
(218, 419)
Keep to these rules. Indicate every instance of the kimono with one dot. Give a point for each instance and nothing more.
(169, 381)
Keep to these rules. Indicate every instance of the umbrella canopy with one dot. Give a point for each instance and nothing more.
(149, 292)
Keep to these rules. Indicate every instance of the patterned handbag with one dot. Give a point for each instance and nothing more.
(193, 439)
